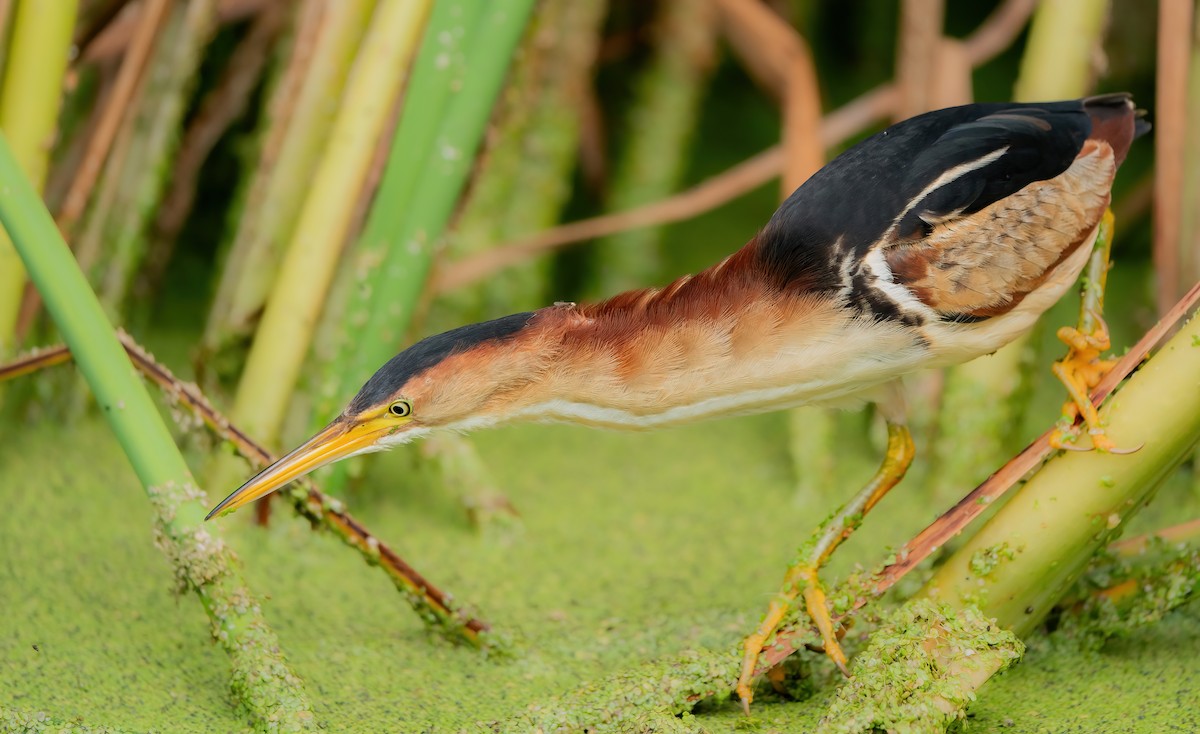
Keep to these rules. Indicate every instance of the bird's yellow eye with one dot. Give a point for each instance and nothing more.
(400, 408)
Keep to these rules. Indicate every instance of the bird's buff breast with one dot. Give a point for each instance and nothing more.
(952, 343)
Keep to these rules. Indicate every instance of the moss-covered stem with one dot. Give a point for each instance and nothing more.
(1045, 535)
(951, 523)
(300, 116)
(1057, 64)
(658, 130)
(38, 52)
(446, 112)
(920, 670)
(270, 692)
(283, 338)
(431, 603)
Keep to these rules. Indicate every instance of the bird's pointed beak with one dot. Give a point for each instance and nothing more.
(339, 439)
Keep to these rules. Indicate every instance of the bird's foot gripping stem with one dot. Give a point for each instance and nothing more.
(1080, 372)
(802, 581)
(1082, 369)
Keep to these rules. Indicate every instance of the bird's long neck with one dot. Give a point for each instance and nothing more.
(726, 340)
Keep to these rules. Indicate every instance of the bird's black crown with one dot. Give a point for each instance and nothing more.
(429, 352)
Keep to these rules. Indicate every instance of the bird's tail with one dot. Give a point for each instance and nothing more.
(1116, 121)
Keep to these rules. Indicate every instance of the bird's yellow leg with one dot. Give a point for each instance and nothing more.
(801, 579)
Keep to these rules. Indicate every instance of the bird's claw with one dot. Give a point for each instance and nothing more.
(1080, 372)
(801, 576)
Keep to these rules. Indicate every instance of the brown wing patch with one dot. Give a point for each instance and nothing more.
(984, 264)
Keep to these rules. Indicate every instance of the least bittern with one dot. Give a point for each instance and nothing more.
(936, 241)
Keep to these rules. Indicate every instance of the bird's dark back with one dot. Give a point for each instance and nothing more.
(854, 200)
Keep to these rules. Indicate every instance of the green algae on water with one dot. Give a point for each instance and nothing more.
(39, 722)
(626, 544)
(645, 699)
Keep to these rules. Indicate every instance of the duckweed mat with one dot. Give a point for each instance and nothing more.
(631, 548)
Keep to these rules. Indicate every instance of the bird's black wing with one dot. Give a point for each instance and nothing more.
(978, 163)
(996, 203)
(855, 201)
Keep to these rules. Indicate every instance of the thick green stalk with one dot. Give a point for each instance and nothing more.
(271, 693)
(1060, 53)
(284, 173)
(448, 149)
(283, 338)
(29, 104)
(437, 74)
(524, 177)
(1057, 64)
(523, 181)
(1028, 555)
(659, 133)
(440, 129)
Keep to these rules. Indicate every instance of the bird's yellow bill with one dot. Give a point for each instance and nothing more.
(337, 441)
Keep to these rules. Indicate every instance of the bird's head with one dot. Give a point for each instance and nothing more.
(470, 377)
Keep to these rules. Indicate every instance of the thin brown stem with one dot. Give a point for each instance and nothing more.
(1181, 533)
(322, 511)
(117, 36)
(999, 31)
(916, 62)
(33, 361)
(1170, 134)
(745, 176)
(780, 58)
(150, 20)
(100, 15)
